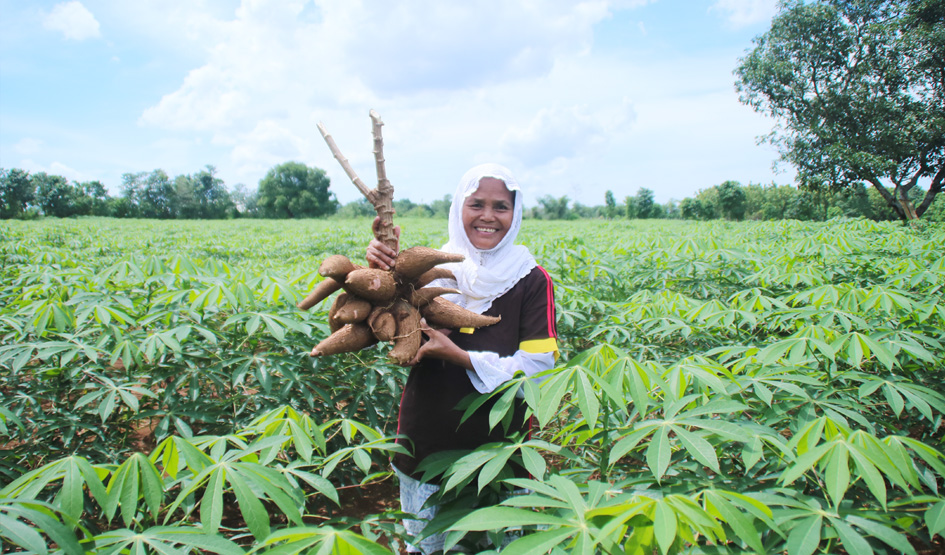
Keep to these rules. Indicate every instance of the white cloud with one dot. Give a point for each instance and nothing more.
(457, 84)
(55, 168)
(563, 133)
(28, 146)
(73, 20)
(742, 13)
(267, 145)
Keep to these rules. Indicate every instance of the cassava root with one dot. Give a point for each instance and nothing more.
(385, 305)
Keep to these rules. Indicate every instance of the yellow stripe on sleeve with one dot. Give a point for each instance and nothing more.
(547, 345)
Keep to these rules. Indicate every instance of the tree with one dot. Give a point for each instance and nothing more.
(294, 190)
(778, 199)
(16, 192)
(202, 196)
(554, 208)
(91, 199)
(732, 200)
(630, 207)
(152, 194)
(245, 200)
(441, 208)
(54, 195)
(857, 86)
(611, 203)
(644, 203)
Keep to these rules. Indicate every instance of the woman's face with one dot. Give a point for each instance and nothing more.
(487, 213)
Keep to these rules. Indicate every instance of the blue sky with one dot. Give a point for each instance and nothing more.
(575, 97)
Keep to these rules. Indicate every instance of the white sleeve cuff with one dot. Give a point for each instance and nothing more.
(490, 370)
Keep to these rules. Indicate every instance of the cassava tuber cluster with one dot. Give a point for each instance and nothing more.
(387, 305)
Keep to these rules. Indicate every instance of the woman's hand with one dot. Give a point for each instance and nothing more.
(380, 255)
(439, 345)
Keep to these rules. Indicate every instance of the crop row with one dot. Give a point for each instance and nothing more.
(723, 387)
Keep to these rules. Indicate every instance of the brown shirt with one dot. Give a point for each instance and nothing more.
(428, 415)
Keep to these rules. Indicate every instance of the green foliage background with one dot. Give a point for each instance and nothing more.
(723, 388)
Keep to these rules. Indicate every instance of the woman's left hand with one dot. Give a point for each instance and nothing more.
(439, 345)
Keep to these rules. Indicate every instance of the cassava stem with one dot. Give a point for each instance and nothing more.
(382, 197)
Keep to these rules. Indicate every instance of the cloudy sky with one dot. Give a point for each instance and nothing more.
(576, 97)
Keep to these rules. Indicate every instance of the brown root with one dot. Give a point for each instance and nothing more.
(422, 296)
(333, 323)
(382, 323)
(351, 337)
(375, 285)
(321, 292)
(354, 310)
(336, 266)
(432, 274)
(413, 262)
(407, 341)
(442, 313)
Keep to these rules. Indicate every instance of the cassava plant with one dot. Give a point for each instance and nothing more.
(385, 305)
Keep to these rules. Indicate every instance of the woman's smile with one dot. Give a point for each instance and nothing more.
(488, 213)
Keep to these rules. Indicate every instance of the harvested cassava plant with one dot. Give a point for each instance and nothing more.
(385, 305)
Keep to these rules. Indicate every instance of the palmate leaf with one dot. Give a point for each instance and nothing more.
(76, 473)
(23, 523)
(318, 540)
(725, 506)
(167, 540)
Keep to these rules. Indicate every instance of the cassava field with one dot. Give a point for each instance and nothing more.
(722, 388)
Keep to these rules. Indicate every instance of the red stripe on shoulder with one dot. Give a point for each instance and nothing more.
(550, 296)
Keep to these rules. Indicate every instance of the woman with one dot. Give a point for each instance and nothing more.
(497, 278)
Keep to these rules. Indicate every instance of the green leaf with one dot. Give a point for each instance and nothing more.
(803, 463)
(698, 447)
(935, 518)
(587, 399)
(552, 390)
(874, 480)
(211, 504)
(887, 535)
(497, 518)
(255, 515)
(502, 407)
(742, 524)
(539, 542)
(837, 474)
(805, 536)
(658, 453)
(492, 468)
(664, 526)
(533, 461)
(852, 541)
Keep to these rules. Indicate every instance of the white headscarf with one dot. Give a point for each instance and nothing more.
(486, 274)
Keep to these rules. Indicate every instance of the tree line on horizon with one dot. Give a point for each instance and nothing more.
(294, 190)
(856, 88)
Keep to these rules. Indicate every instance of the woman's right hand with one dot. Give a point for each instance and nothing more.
(380, 255)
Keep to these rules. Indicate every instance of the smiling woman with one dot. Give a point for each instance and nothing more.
(495, 278)
(487, 213)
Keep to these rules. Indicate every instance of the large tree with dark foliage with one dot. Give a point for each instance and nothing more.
(203, 196)
(294, 190)
(16, 192)
(55, 195)
(858, 87)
